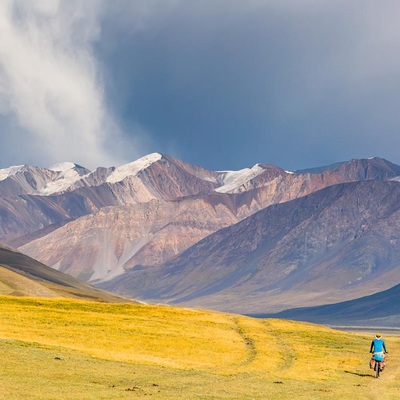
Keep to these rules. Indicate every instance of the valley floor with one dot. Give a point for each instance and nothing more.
(62, 349)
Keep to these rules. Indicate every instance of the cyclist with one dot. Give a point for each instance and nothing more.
(378, 348)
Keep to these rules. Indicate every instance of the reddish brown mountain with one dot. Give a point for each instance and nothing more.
(100, 225)
(338, 243)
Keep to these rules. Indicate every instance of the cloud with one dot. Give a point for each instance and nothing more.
(51, 85)
(223, 84)
(290, 82)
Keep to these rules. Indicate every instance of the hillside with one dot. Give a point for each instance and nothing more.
(256, 240)
(82, 222)
(70, 350)
(380, 309)
(337, 243)
(21, 275)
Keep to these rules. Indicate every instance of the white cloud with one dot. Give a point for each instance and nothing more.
(320, 76)
(50, 81)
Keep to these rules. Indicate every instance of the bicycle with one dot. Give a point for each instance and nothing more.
(377, 368)
(379, 363)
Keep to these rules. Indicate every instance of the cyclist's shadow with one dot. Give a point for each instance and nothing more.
(362, 375)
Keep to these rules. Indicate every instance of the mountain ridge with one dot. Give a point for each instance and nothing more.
(116, 223)
(280, 237)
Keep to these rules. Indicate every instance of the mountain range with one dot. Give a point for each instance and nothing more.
(258, 240)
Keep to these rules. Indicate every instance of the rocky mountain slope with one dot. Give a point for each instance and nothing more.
(65, 216)
(114, 239)
(123, 224)
(342, 239)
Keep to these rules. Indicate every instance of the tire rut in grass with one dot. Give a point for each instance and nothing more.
(283, 347)
(250, 347)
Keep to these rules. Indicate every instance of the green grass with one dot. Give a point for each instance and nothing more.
(67, 349)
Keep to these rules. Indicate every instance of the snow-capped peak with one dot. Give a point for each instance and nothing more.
(6, 172)
(234, 179)
(132, 169)
(69, 173)
(62, 167)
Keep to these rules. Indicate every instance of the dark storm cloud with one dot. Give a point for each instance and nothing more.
(220, 83)
(226, 84)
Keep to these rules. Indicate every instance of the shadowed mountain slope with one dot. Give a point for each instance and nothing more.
(21, 275)
(97, 225)
(380, 309)
(128, 222)
(339, 241)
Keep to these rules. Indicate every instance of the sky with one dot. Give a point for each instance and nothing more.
(223, 84)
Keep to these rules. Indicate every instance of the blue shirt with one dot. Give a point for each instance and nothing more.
(377, 346)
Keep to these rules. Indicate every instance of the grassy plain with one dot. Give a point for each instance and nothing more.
(65, 349)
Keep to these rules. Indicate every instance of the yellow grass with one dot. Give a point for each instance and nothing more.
(69, 349)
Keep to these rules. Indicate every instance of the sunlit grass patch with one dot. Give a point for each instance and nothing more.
(316, 352)
(129, 332)
(69, 349)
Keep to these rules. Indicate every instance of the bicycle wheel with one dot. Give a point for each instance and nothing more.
(378, 368)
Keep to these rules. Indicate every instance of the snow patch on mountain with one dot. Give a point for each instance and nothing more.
(133, 168)
(69, 173)
(62, 167)
(6, 172)
(232, 180)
